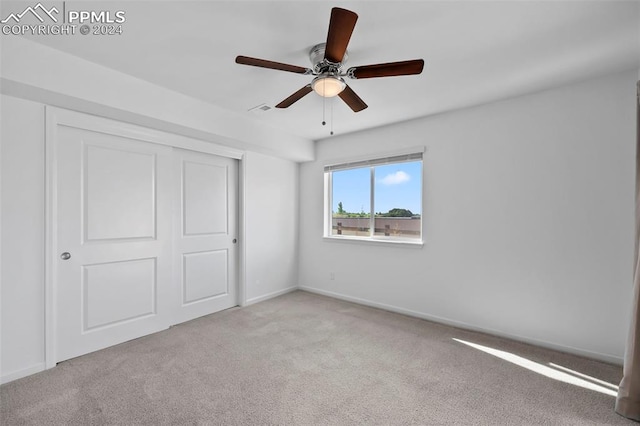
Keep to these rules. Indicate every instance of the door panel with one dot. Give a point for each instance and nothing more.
(204, 198)
(205, 275)
(106, 191)
(204, 248)
(115, 292)
(114, 219)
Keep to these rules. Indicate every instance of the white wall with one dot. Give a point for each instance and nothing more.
(271, 230)
(22, 250)
(528, 220)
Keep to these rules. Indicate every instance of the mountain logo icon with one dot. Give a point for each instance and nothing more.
(38, 11)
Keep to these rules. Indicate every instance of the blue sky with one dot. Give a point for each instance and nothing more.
(396, 186)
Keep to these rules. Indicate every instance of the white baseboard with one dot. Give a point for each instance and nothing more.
(6, 378)
(568, 349)
(270, 295)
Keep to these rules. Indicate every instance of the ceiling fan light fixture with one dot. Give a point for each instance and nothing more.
(328, 86)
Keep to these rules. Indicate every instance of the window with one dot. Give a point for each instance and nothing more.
(378, 199)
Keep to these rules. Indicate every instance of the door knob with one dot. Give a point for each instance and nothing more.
(235, 241)
(65, 256)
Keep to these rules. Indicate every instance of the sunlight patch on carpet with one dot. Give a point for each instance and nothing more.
(577, 379)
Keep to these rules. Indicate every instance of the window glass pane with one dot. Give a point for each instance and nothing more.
(351, 202)
(398, 200)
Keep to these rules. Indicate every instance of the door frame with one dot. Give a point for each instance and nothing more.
(55, 117)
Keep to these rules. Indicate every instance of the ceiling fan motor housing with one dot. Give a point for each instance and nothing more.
(321, 65)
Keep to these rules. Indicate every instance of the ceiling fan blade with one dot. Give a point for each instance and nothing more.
(350, 98)
(389, 69)
(341, 26)
(295, 97)
(245, 60)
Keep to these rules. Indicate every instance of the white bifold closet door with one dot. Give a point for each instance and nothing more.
(144, 235)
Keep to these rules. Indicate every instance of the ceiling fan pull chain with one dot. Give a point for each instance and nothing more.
(323, 110)
(331, 133)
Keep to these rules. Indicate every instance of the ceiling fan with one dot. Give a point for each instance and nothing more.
(328, 61)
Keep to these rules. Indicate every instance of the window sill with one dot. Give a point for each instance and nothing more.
(376, 241)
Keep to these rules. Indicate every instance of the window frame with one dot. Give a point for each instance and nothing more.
(413, 154)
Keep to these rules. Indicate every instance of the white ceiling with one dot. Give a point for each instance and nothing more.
(474, 52)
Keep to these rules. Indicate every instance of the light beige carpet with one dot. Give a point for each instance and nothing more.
(303, 359)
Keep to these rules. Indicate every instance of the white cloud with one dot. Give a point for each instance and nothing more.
(395, 178)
